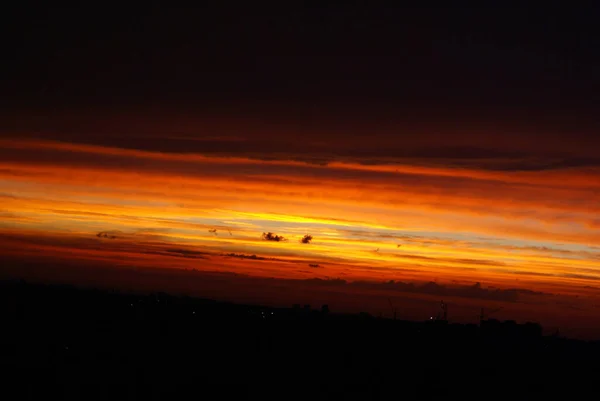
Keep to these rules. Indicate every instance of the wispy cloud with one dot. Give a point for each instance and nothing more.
(482, 212)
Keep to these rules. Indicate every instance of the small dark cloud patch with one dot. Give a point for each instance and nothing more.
(151, 231)
(138, 234)
(5, 195)
(525, 273)
(251, 257)
(178, 253)
(109, 234)
(266, 258)
(306, 239)
(188, 253)
(481, 262)
(273, 237)
(581, 276)
(242, 256)
(416, 257)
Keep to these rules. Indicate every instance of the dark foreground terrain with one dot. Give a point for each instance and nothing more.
(65, 343)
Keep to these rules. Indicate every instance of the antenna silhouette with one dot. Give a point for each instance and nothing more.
(394, 310)
(483, 315)
(443, 315)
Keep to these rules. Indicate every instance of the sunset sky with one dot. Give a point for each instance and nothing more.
(486, 171)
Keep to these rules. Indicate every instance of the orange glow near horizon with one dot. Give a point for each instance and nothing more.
(416, 222)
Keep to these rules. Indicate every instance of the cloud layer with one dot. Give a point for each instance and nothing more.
(516, 213)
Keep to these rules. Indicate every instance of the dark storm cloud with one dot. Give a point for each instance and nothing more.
(395, 150)
(153, 163)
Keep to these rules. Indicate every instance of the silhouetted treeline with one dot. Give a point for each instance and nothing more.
(92, 344)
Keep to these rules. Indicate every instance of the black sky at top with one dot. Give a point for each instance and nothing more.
(346, 60)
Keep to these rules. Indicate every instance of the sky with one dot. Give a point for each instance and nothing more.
(428, 153)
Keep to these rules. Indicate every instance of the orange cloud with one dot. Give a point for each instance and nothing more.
(495, 223)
